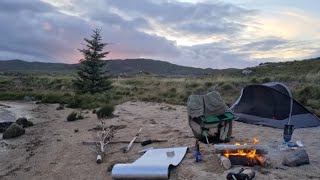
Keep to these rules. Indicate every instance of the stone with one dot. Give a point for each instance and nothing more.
(4, 126)
(13, 131)
(296, 158)
(60, 107)
(28, 98)
(24, 122)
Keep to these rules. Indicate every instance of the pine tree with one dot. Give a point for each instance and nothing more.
(92, 76)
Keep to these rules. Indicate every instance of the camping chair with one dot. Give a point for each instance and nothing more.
(212, 120)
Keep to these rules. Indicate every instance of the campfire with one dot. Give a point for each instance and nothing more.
(245, 154)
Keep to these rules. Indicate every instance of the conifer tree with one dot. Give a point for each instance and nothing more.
(92, 76)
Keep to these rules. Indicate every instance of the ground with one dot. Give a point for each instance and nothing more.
(51, 149)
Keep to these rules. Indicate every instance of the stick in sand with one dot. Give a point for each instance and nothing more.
(126, 149)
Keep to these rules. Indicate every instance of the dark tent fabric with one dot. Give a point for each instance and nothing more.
(270, 105)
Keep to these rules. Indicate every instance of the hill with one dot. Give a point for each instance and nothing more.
(163, 68)
(290, 68)
(115, 67)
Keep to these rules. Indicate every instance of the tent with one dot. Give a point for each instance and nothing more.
(272, 105)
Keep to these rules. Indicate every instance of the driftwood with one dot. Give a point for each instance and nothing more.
(226, 148)
(225, 162)
(119, 142)
(104, 137)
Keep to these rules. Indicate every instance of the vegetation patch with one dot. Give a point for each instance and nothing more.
(105, 112)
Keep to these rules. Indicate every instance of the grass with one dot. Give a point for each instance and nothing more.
(172, 90)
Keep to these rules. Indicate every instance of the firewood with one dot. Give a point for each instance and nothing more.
(227, 148)
(225, 162)
(242, 160)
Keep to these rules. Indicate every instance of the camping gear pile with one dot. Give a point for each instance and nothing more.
(210, 117)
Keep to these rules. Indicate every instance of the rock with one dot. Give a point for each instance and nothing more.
(246, 72)
(28, 98)
(4, 126)
(13, 131)
(60, 107)
(24, 122)
(296, 158)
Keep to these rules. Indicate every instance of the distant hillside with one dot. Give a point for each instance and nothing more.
(290, 68)
(19, 65)
(162, 68)
(115, 67)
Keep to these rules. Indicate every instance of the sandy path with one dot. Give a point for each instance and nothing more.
(52, 150)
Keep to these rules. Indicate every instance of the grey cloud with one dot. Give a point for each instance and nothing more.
(200, 18)
(209, 55)
(38, 31)
(264, 44)
(17, 6)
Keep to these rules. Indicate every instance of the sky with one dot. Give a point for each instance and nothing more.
(198, 33)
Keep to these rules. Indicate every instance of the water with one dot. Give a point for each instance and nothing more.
(6, 115)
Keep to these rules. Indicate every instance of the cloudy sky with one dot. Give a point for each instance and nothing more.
(199, 33)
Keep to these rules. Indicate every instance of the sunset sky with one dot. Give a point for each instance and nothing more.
(198, 33)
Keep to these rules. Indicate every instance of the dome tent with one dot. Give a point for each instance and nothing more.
(272, 105)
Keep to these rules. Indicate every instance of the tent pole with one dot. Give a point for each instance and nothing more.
(290, 114)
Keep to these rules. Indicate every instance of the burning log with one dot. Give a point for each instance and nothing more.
(242, 160)
(227, 148)
(248, 155)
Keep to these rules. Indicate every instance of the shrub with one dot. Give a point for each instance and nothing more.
(227, 87)
(208, 84)
(55, 98)
(73, 116)
(105, 111)
(254, 81)
(266, 79)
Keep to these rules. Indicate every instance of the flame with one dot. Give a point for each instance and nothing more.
(255, 140)
(250, 154)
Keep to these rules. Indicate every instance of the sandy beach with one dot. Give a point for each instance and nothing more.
(51, 149)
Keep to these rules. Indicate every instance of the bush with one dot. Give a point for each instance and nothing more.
(208, 84)
(105, 111)
(56, 98)
(266, 80)
(254, 81)
(227, 87)
(73, 116)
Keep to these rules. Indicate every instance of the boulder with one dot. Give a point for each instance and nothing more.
(296, 158)
(4, 126)
(13, 131)
(60, 107)
(24, 122)
(28, 98)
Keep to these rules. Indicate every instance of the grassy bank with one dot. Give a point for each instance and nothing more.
(172, 90)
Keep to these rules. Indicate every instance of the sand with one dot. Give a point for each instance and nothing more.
(51, 149)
